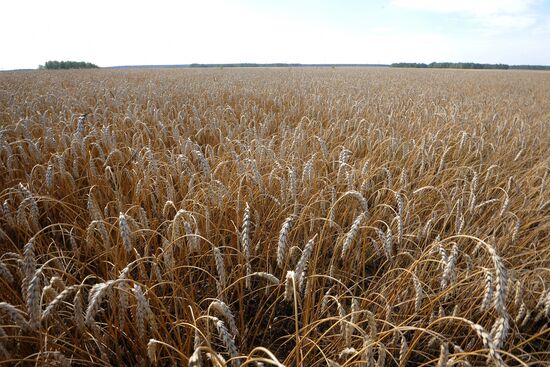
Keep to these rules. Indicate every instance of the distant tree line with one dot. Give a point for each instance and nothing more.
(241, 65)
(279, 65)
(449, 65)
(530, 67)
(466, 65)
(50, 65)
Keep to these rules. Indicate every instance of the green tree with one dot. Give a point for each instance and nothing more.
(54, 64)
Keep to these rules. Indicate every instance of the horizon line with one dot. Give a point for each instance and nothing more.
(284, 64)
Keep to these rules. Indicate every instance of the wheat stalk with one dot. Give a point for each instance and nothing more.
(227, 340)
(283, 237)
(5, 273)
(14, 314)
(352, 233)
(302, 263)
(125, 233)
(33, 300)
(245, 242)
(290, 281)
(53, 305)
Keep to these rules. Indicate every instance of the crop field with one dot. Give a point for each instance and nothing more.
(275, 217)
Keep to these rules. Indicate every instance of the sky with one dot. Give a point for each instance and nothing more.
(136, 32)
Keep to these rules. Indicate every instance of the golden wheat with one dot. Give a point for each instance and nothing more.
(413, 204)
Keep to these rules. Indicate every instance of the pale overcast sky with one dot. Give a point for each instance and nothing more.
(138, 32)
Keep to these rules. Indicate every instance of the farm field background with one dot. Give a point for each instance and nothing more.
(297, 217)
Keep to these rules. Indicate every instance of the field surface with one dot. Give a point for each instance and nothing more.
(296, 217)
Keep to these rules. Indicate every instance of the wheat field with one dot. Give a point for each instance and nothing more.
(275, 217)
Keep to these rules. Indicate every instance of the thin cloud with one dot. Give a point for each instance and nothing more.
(494, 15)
(509, 22)
(474, 7)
